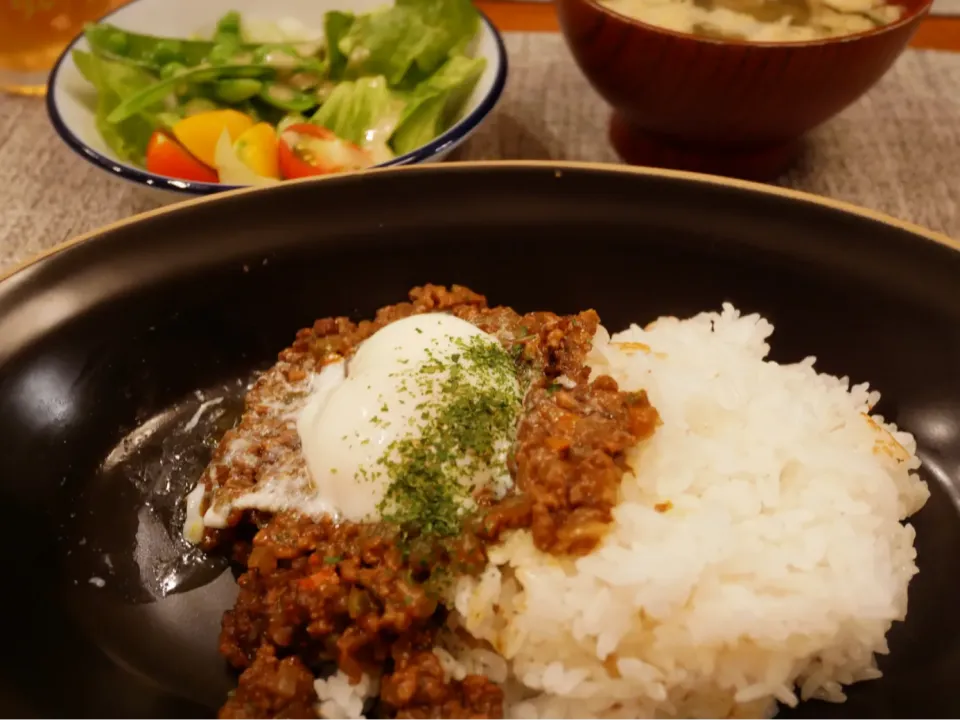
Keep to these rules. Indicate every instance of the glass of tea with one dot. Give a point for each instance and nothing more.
(33, 33)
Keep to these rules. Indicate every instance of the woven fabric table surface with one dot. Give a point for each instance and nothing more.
(897, 150)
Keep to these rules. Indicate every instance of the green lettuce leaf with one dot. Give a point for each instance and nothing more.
(433, 106)
(409, 41)
(363, 111)
(86, 64)
(458, 18)
(115, 81)
(336, 24)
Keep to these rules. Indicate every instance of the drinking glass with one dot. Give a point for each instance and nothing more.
(33, 33)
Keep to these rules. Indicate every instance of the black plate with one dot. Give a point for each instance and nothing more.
(104, 343)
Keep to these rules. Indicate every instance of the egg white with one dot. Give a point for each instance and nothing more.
(352, 419)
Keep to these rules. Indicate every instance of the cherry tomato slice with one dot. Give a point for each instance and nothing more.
(306, 150)
(165, 156)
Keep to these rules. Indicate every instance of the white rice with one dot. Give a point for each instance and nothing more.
(772, 571)
(339, 699)
(757, 554)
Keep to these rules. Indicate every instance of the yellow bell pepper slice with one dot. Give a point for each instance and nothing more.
(199, 133)
(232, 170)
(257, 149)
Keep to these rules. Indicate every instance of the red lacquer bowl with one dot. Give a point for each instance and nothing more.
(722, 107)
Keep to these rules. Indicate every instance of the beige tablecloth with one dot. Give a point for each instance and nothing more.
(945, 7)
(897, 150)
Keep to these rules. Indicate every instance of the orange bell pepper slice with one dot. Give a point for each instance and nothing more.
(167, 157)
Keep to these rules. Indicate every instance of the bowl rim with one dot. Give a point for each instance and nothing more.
(910, 17)
(556, 167)
(454, 135)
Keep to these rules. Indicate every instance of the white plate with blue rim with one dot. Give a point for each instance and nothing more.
(72, 100)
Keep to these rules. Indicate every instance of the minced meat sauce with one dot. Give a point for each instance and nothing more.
(365, 598)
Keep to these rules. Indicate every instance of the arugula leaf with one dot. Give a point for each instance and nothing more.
(146, 51)
(113, 82)
(433, 106)
(158, 90)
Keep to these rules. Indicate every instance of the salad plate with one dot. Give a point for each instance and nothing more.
(149, 93)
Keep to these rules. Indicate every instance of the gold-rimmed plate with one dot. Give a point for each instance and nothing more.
(105, 341)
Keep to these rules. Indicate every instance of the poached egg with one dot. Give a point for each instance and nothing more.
(391, 394)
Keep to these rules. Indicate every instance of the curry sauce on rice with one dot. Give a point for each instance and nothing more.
(455, 510)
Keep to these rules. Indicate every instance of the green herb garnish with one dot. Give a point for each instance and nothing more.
(467, 424)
